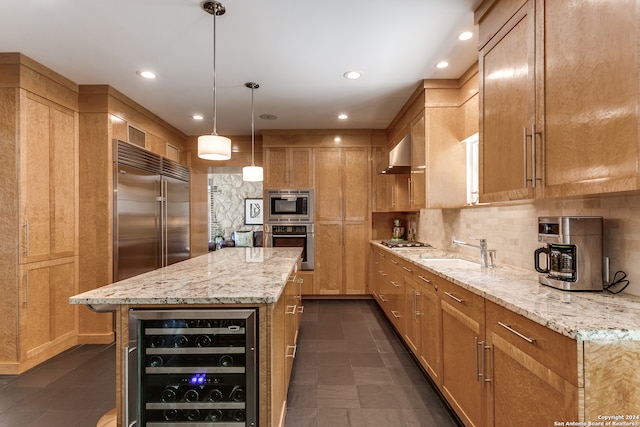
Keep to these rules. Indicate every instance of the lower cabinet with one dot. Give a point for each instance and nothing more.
(494, 366)
(528, 361)
(463, 352)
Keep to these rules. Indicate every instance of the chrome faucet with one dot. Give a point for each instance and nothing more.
(487, 256)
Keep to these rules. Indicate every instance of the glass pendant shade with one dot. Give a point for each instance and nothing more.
(214, 147)
(252, 173)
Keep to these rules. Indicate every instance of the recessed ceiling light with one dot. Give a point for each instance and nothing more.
(197, 117)
(442, 64)
(147, 74)
(343, 116)
(352, 75)
(465, 36)
(337, 140)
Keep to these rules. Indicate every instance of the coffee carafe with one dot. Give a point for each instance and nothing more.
(573, 255)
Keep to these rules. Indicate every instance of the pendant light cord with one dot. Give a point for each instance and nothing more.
(252, 129)
(215, 131)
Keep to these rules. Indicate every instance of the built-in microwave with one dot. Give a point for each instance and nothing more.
(290, 206)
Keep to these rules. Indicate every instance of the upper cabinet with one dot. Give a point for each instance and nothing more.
(439, 115)
(288, 167)
(558, 105)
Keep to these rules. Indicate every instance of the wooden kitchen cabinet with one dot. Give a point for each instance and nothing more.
(418, 179)
(39, 245)
(47, 320)
(463, 350)
(558, 107)
(48, 188)
(342, 220)
(531, 371)
(430, 325)
(288, 167)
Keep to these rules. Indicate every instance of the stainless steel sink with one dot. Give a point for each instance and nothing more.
(450, 263)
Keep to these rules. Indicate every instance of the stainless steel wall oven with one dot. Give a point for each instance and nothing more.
(299, 235)
(191, 368)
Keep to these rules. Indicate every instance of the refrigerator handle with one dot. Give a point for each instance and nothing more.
(165, 216)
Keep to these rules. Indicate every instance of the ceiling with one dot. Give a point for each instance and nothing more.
(296, 50)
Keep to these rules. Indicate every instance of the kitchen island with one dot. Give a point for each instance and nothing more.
(260, 279)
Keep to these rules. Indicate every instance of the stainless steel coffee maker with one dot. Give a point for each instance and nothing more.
(573, 252)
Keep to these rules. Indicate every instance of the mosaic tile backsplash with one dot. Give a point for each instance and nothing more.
(512, 230)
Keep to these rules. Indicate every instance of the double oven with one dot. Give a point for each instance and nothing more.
(289, 222)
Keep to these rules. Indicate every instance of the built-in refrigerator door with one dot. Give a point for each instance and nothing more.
(176, 218)
(137, 222)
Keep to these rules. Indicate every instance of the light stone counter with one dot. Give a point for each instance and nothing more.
(584, 316)
(228, 276)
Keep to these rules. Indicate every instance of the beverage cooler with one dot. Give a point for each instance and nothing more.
(191, 368)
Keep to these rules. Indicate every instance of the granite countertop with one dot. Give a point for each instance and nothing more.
(228, 276)
(584, 316)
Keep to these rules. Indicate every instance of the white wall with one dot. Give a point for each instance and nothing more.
(511, 229)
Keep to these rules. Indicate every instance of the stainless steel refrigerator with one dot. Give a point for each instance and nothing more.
(151, 211)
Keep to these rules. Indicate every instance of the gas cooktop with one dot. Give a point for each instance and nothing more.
(403, 244)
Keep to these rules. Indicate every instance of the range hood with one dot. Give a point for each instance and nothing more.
(400, 157)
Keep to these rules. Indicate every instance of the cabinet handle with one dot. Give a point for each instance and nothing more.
(393, 261)
(293, 354)
(455, 298)
(533, 155)
(395, 314)
(292, 308)
(407, 269)
(484, 368)
(395, 284)
(26, 289)
(26, 237)
(382, 273)
(476, 352)
(409, 189)
(301, 309)
(127, 375)
(524, 151)
(424, 279)
(510, 329)
(393, 196)
(381, 254)
(383, 298)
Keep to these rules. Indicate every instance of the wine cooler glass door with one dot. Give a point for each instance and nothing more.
(193, 368)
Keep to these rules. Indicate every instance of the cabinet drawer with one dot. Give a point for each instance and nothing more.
(557, 352)
(463, 300)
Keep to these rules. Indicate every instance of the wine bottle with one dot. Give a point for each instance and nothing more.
(226, 361)
(192, 414)
(214, 395)
(156, 361)
(180, 341)
(214, 415)
(157, 341)
(169, 393)
(170, 414)
(203, 341)
(238, 415)
(237, 394)
(191, 395)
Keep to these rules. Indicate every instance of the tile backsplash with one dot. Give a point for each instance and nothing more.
(512, 229)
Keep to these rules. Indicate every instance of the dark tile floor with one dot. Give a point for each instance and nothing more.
(74, 389)
(352, 370)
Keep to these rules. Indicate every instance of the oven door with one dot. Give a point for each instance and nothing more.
(304, 241)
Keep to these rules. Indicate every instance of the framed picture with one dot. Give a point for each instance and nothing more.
(253, 211)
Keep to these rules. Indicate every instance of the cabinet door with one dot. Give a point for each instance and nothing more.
(523, 391)
(381, 182)
(418, 194)
(590, 93)
(428, 305)
(302, 168)
(47, 316)
(412, 320)
(48, 187)
(462, 333)
(356, 172)
(328, 193)
(507, 109)
(356, 242)
(328, 257)
(276, 168)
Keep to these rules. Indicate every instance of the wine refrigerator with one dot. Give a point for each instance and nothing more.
(191, 368)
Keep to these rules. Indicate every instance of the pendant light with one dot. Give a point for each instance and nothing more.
(252, 173)
(214, 147)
